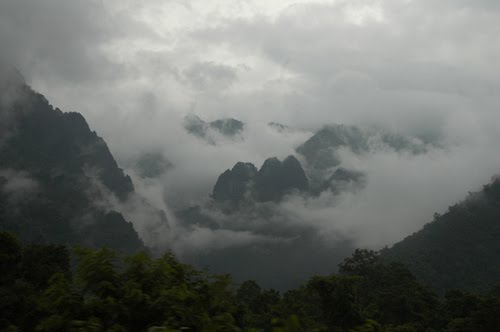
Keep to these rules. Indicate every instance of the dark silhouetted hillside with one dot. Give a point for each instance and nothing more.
(459, 249)
(54, 172)
(271, 182)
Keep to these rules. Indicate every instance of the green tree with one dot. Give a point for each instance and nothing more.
(338, 301)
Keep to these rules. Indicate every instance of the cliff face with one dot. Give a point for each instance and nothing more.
(53, 170)
(276, 179)
(232, 185)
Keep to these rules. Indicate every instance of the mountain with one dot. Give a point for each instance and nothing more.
(459, 249)
(235, 183)
(57, 176)
(226, 127)
(322, 154)
(271, 182)
(252, 236)
(321, 150)
(275, 179)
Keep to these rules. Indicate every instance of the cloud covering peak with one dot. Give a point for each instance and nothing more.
(425, 69)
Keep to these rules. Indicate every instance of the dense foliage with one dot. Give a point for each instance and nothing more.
(459, 249)
(49, 288)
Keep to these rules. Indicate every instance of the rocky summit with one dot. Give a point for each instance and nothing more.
(271, 182)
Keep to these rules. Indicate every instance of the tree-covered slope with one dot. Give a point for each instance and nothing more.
(459, 249)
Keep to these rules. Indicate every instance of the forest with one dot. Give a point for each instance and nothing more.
(47, 287)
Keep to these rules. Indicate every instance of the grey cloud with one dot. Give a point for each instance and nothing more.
(62, 40)
(17, 185)
(204, 240)
(149, 218)
(424, 68)
(209, 75)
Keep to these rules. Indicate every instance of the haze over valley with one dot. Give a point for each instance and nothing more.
(268, 140)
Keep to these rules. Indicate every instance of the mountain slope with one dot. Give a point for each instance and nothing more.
(459, 249)
(55, 174)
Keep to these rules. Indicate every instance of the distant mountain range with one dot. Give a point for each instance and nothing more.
(459, 249)
(321, 169)
(59, 183)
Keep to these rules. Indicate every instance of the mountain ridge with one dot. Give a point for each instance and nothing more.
(271, 182)
(66, 163)
(458, 249)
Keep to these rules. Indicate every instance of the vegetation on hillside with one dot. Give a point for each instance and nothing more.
(459, 249)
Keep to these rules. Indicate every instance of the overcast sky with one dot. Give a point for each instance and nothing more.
(135, 68)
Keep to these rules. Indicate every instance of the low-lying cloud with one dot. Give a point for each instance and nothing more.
(420, 68)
